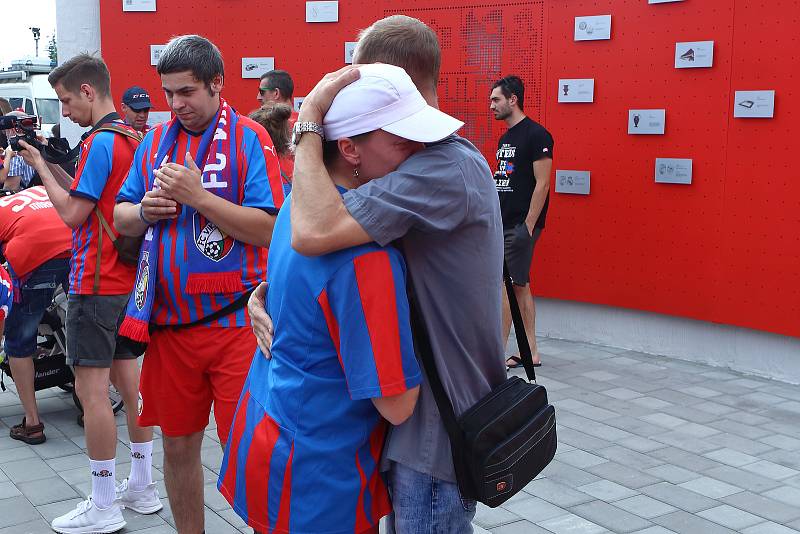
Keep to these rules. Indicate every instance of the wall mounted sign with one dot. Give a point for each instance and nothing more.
(576, 90)
(157, 117)
(138, 5)
(595, 28)
(349, 49)
(298, 101)
(155, 53)
(573, 182)
(673, 171)
(662, 1)
(322, 11)
(254, 67)
(754, 104)
(694, 54)
(646, 121)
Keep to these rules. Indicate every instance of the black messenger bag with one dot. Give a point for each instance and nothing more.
(507, 438)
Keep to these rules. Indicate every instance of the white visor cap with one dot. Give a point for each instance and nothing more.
(385, 98)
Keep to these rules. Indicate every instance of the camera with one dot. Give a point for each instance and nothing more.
(20, 127)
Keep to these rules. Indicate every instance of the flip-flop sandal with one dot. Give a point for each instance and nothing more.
(23, 432)
(517, 362)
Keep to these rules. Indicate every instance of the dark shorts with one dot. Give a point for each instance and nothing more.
(92, 325)
(22, 324)
(519, 246)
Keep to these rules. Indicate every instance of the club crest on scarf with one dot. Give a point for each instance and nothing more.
(142, 279)
(212, 242)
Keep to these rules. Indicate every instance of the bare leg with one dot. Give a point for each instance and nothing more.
(528, 310)
(183, 475)
(125, 377)
(23, 371)
(91, 385)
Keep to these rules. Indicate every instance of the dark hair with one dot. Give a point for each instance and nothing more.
(193, 53)
(82, 69)
(512, 85)
(405, 42)
(5, 107)
(279, 79)
(274, 117)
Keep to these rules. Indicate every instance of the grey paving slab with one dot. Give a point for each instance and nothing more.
(30, 469)
(37, 526)
(730, 517)
(17, 510)
(644, 506)
(519, 527)
(607, 491)
(686, 523)
(533, 509)
(492, 517)
(731, 457)
(609, 516)
(679, 497)
(742, 479)
(672, 473)
(629, 458)
(622, 474)
(788, 495)
(769, 528)
(783, 457)
(711, 487)
(571, 524)
(46, 490)
(765, 507)
(556, 493)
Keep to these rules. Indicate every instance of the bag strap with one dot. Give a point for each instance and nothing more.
(96, 285)
(519, 327)
(236, 305)
(422, 345)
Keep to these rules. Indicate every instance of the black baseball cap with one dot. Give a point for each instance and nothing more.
(136, 98)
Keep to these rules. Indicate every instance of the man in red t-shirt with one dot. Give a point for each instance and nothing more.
(36, 244)
(99, 287)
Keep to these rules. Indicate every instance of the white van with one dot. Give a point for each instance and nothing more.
(32, 94)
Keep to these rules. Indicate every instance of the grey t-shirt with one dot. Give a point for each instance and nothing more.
(443, 203)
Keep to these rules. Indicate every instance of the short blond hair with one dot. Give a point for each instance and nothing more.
(405, 42)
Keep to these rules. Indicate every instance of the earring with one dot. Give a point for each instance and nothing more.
(355, 172)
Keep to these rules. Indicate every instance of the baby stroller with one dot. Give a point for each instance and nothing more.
(49, 362)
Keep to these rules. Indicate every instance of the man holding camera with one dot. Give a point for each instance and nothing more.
(99, 288)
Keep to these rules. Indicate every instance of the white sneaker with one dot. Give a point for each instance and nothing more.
(89, 519)
(145, 501)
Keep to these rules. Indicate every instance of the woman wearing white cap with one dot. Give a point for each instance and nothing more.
(304, 449)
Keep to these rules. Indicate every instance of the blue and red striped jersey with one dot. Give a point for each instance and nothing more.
(258, 164)
(6, 294)
(304, 449)
(102, 167)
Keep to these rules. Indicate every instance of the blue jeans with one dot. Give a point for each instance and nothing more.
(426, 505)
(37, 294)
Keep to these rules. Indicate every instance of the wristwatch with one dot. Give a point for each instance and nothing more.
(302, 127)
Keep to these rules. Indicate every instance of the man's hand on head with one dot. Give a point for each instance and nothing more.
(319, 100)
(262, 323)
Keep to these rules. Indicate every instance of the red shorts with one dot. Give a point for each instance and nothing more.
(184, 371)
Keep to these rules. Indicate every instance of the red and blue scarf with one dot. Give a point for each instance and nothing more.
(214, 259)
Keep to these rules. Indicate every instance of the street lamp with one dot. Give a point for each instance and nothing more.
(36, 36)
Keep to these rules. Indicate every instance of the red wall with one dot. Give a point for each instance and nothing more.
(724, 249)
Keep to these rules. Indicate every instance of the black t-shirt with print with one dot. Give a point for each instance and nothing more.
(523, 143)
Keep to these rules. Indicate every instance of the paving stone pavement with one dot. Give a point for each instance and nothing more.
(647, 444)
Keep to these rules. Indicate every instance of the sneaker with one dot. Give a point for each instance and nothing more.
(88, 519)
(145, 501)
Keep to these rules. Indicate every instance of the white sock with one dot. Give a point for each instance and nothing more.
(141, 465)
(103, 482)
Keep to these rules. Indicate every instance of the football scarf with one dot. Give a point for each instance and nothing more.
(214, 259)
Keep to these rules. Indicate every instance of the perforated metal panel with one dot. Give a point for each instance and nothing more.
(725, 249)
(481, 44)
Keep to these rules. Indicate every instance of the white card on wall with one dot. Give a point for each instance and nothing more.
(157, 117)
(646, 121)
(576, 90)
(754, 104)
(694, 54)
(673, 171)
(594, 28)
(138, 5)
(662, 1)
(349, 49)
(322, 11)
(298, 101)
(254, 67)
(573, 182)
(155, 53)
